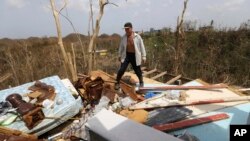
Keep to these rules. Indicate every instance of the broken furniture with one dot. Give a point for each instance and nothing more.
(42, 91)
(32, 115)
(70, 107)
(99, 83)
(90, 90)
(127, 90)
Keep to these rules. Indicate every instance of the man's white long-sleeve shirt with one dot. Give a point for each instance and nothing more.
(140, 52)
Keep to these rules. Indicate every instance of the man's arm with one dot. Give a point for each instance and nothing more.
(143, 51)
(120, 50)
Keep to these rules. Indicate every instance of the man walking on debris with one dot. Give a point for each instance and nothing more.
(131, 50)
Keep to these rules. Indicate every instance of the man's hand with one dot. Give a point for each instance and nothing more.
(143, 60)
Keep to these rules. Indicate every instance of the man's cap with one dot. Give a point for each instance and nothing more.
(128, 25)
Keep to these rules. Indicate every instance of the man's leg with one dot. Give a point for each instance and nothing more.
(120, 72)
(137, 70)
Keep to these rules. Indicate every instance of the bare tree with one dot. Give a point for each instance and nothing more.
(91, 48)
(91, 19)
(179, 44)
(78, 37)
(67, 65)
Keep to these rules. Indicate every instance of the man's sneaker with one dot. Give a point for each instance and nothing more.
(141, 84)
(117, 86)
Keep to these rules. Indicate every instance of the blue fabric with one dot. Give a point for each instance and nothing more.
(149, 95)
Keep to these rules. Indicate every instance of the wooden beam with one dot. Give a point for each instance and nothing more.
(183, 78)
(190, 122)
(9, 131)
(173, 79)
(142, 69)
(159, 75)
(243, 90)
(163, 88)
(150, 103)
(4, 77)
(149, 72)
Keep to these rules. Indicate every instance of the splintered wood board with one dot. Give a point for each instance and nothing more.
(103, 75)
(190, 122)
(145, 79)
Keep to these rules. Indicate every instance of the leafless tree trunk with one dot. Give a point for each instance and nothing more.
(179, 44)
(91, 20)
(67, 66)
(73, 58)
(79, 39)
(91, 48)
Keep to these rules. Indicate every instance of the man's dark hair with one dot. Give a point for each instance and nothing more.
(128, 25)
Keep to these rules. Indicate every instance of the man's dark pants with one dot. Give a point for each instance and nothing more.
(130, 58)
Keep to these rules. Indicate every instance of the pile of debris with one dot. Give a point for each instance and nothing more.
(157, 111)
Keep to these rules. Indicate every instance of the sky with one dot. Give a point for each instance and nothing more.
(21, 19)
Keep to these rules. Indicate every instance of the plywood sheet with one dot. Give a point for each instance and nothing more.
(208, 94)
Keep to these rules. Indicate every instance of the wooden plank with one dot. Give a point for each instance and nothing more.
(182, 78)
(163, 88)
(149, 72)
(243, 90)
(145, 79)
(190, 122)
(159, 102)
(9, 131)
(159, 75)
(4, 77)
(173, 79)
(192, 95)
(142, 69)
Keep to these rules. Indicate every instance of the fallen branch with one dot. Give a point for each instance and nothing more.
(4, 77)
